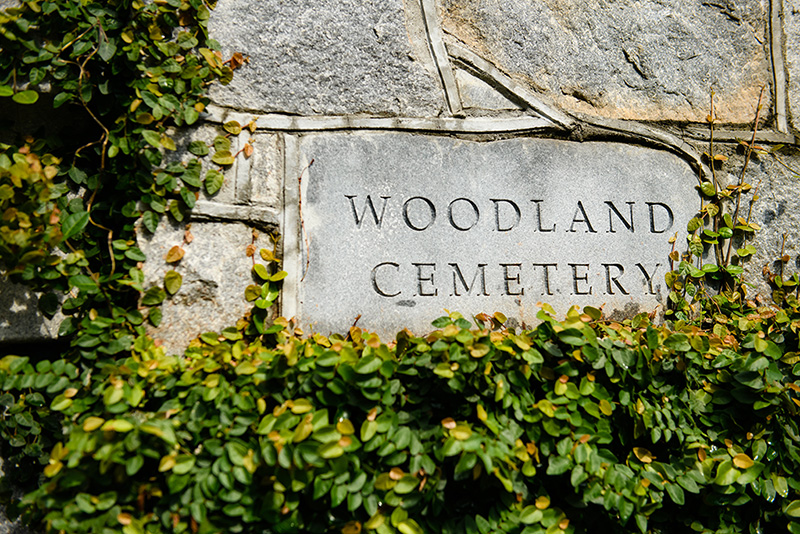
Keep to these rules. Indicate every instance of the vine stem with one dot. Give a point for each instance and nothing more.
(715, 219)
(744, 169)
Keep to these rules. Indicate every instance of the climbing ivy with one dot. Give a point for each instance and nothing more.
(133, 72)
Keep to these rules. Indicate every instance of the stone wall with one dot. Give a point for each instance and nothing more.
(593, 110)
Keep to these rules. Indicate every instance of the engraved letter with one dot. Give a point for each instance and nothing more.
(653, 220)
(517, 214)
(576, 278)
(613, 209)
(375, 285)
(546, 266)
(360, 219)
(420, 278)
(584, 220)
(615, 279)
(452, 219)
(468, 288)
(539, 216)
(649, 277)
(431, 214)
(511, 278)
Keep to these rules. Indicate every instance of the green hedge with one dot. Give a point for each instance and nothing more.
(574, 426)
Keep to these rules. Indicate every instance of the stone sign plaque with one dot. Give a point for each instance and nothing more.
(399, 228)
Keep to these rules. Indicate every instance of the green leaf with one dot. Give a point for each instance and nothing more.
(726, 474)
(694, 224)
(150, 221)
(213, 182)
(277, 277)
(60, 403)
(117, 425)
(232, 127)
(190, 115)
(5, 90)
(679, 342)
(26, 97)
(160, 428)
(367, 365)
(407, 484)
(530, 514)
(188, 197)
(83, 283)
(793, 509)
(558, 465)
(74, 224)
(153, 138)
(675, 493)
(261, 271)
(198, 148)
(172, 282)
(154, 296)
(223, 157)
(61, 99)
(106, 50)
(331, 450)
(708, 189)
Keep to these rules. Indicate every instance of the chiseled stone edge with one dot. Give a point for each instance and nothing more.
(485, 70)
(293, 123)
(733, 136)
(268, 218)
(433, 29)
(293, 250)
(778, 64)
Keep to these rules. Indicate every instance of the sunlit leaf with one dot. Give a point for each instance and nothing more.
(172, 281)
(175, 254)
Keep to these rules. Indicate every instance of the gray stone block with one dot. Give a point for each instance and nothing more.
(324, 57)
(777, 211)
(215, 270)
(20, 319)
(260, 179)
(399, 228)
(476, 93)
(629, 59)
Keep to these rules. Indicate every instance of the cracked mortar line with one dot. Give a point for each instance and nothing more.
(433, 31)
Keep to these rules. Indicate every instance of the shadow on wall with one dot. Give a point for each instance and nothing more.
(20, 319)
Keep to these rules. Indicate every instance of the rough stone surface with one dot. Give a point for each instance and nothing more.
(215, 270)
(777, 211)
(791, 31)
(476, 93)
(264, 182)
(20, 319)
(402, 272)
(324, 57)
(629, 59)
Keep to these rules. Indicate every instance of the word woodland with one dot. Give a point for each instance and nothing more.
(504, 215)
